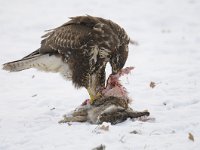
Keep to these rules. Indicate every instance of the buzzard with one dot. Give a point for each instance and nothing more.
(79, 50)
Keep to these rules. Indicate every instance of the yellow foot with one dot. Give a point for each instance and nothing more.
(93, 96)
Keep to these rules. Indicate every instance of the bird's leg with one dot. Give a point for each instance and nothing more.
(94, 87)
(93, 94)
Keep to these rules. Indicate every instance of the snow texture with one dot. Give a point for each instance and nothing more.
(32, 102)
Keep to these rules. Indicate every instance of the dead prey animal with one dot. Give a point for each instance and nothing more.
(112, 106)
(106, 109)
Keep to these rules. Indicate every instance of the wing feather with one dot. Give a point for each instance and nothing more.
(64, 38)
(81, 32)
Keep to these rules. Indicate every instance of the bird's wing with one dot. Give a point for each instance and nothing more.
(61, 39)
(77, 33)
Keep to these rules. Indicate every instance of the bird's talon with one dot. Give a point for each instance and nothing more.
(93, 98)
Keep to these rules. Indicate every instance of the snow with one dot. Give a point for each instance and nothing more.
(32, 102)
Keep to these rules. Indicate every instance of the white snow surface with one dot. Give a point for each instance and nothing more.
(32, 102)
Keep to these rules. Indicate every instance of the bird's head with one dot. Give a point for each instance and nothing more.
(119, 58)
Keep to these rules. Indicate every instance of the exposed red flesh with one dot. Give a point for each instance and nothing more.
(86, 102)
(114, 87)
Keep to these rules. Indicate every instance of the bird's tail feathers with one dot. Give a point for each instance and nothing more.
(22, 64)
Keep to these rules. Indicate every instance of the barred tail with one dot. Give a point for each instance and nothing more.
(21, 64)
(42, 62)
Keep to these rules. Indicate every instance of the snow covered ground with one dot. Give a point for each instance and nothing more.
(32, 102)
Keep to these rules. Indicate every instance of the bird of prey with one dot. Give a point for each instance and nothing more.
(79, 50)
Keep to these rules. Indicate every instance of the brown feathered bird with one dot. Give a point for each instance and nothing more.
(79, 50)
